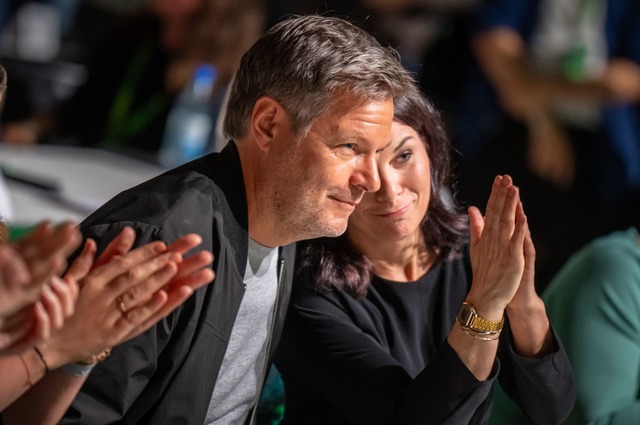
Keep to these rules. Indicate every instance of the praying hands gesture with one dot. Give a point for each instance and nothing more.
(510, 287)
(497, 249)
(503, 265)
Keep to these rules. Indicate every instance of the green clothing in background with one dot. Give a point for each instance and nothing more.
(594, 305)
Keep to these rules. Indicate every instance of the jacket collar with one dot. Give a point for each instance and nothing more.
(224, 169)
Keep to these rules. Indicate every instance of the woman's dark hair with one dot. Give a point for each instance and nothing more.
(336, 263)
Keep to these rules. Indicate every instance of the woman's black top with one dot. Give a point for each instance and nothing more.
(384, 359)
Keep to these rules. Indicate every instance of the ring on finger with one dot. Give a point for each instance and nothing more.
(121, 306)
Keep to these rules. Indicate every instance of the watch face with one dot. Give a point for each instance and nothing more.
(464, 315)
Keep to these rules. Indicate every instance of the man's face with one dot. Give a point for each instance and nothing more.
(322, 176)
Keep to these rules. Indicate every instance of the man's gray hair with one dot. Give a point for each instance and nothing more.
(303, 62)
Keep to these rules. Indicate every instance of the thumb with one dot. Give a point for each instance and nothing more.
(476, 224)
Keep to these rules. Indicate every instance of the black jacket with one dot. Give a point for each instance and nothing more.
(167, 374)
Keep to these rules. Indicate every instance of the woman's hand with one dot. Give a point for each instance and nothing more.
(128, 291)
(497, 250)
(526, 296)
(33, 298)
(527, 314)
(29, 263)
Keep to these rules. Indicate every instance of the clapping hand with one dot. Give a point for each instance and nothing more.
(33, 300)
(125, 292)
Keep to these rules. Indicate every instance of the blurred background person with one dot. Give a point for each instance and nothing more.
(430, 35)
(594, 303)
(553, 100)
(149, 55)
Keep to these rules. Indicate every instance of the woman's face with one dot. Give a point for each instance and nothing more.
(395, 212)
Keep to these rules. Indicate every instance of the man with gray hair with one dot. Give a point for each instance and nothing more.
(311, 105)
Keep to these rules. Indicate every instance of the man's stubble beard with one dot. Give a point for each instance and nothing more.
(295, 201)
(304, 218)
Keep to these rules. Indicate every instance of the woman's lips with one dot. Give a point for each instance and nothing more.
(394, 213)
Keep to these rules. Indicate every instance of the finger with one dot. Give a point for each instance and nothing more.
(476, 225)
(40, 232)
(136, 321)
(494, 189)
(501, 202)
(15, 319)
(10, 336)
(13, 271)
(520, 209)
(195, 280)
(83, 263)
(47, 255)
(119, 246)
(53, 306)
(495, 204)
(29, 247)
(66, 239)
(174, 299)
(42, 326)
(126, 263)
(529, 248)
(36, 331)
(150, 278)
(66, 293)
(193, 263)
(517, 241)
(508, 215)
(185, 243)
(61, 241)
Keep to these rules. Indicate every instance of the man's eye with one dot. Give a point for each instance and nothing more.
(349, 146)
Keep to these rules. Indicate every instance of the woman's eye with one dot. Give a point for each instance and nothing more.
(404, 157)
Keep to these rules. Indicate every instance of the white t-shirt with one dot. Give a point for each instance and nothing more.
(241, 372)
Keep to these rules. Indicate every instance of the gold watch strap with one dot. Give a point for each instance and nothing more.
(484, 325)
(477, 323)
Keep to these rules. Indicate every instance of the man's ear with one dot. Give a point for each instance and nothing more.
(268, 120)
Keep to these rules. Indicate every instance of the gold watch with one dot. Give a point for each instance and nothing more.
(469, 319)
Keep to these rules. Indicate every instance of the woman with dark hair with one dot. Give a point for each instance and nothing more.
(411, 315)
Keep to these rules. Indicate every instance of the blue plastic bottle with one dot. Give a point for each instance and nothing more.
(189, 124)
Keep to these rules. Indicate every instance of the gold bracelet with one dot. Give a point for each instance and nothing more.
(468, 318)
(485, 336)
(102, 355)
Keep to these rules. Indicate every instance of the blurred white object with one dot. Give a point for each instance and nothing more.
(66, 183)
(38, 32)
(6, 210)
(189, 125)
